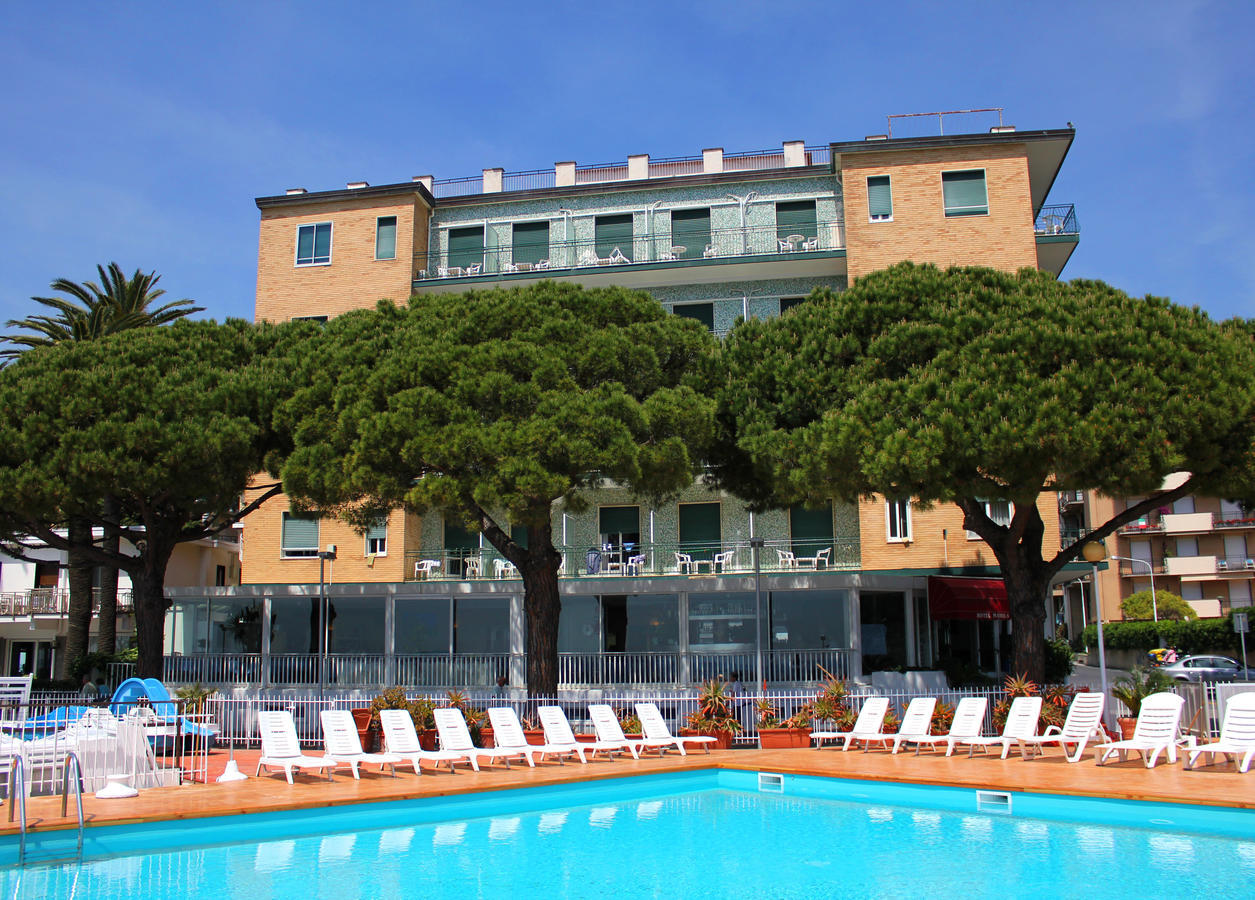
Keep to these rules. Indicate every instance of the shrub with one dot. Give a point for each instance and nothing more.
(1059, 662)
(1192, 636)
(1167, 605)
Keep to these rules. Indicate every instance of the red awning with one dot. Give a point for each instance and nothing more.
(967, 598)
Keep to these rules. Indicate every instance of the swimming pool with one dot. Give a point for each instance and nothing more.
(699, 834)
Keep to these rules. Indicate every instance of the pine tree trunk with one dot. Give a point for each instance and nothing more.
(78, 626)
(107, 614)
(542, 608)
(1027, 597)
(148, 580)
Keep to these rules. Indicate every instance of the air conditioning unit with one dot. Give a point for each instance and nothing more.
(1222, 565)
(1250, 563)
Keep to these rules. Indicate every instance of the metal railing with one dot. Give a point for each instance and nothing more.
(754, 240)
(51, 601)
(210, 668)
(800, 556)
(1059, 219)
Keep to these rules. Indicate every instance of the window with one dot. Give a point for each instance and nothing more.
(702, 312)
(313, 245)
(320, 319)
(386, 237)
(963, 193)
(879, 199)
(1000, 511)
(300, 535)
(690, 229)
(810, 529)
(898, 520)
(466, 246)
(530, 242)
(700, 530)
(377, 539)
(620, 526)
(796, 219)
(789, 302)
(613, 233)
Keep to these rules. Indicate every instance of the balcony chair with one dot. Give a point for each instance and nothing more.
(819, 560)
(617, 258)
(473, 270)
(787, 559)
(722, 561)
(710, 252)
(684, 563)
(425, 567)
(473, 567)
(634, 565)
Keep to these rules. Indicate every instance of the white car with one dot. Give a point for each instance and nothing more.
(1204, 668)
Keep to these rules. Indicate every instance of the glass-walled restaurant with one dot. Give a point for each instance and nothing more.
(442, 636)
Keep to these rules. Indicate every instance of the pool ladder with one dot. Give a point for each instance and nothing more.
(17, 797)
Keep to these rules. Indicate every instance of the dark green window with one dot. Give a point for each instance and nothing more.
(313, 244)
(702, 312)
(964, 193)
(620, 526)
(530, 242)
(386, 237)
(466, 246)
(613, 232)
(810, 529)
(300, 535)
(690, 229)
(700, 531)
(460, 543)
(518, 534)
(796, 218)
(790, 302)
(879, 198)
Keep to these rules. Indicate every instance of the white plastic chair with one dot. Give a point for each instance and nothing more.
(1080, 727)
(401, 738)
(871, 718)
(1158, 722)
(656, 730)
(1021, 723)
(455, 737)
(343, 746)
(424, 567)
(683, 563)
(280, 747)
(916, 722)
(723, 561)
(969, 719)
(1237, 734)
(787, 559)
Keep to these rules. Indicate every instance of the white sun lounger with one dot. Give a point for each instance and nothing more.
(280, 748)
(915, 723)
(1021, 723)
(610, 732)
(507, 733)
(655, 728)
(1237, 734)
(1158, 722)
(1084, 722)
(969, 718)
(344, 748)
(455, 737)
(871, 717)
(401, 739)
(561, 739)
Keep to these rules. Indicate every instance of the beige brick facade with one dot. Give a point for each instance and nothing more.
(354, 279)
(938, 538)
(920, 230)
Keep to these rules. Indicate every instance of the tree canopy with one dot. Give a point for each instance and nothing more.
(169, 422)
(490, 406)
(1167, 606)
(971, 384)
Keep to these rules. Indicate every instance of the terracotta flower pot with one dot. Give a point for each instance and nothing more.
(486, 739)
(723, 739)
(429, 739)
(783, 738)
(361, 718)
(1127, 725)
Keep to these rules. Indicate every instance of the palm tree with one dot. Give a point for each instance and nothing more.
(92, 310)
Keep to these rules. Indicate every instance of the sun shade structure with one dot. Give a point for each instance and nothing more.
(967, 598)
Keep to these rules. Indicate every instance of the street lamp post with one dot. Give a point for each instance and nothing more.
(1094, 553)
(323, 556)
(756, 545)
(1154, 606)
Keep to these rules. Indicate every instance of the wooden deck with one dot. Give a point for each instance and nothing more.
(1218, 785)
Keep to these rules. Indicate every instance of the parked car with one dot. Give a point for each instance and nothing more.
(1204, 668)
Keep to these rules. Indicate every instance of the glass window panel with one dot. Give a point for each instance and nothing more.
(305, 244)
(809, 620)
(300, 535)
(641, 623)
(421, 625)
(386, 237)
(235, 625)
(879, 198)
(481, 625)
(579, 628)
(722, 621)
(322, 243)
(356, 624)
(186, 627)
(294, 625)
(690, 229)
(530, 242)
(883, 621)
(964, 193)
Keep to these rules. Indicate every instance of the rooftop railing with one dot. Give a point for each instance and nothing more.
(1057, 220)
(718, 244)
(50, 602)
(804, 555)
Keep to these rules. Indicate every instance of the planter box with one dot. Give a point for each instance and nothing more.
(361, 718)
(783, 738)
(590, 738)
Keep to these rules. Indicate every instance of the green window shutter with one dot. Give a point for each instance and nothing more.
(386, 237)
(787, 303)
(530, 242)
(700, 530)
(300, 535)
(690, 229)
(518, 534)
(611, 232)
(619, 519)
(458, 537)
(796, 217)
(964, 193)
(466, 246)
(810, 529)
(702, 312)
(378, 530)
(879, 198)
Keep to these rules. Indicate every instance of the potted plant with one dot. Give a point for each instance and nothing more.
(394, 698)
(713, 715)
(793, 732)
(475, 717)
(1132, 689)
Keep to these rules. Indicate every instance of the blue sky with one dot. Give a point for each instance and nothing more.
(141, 132)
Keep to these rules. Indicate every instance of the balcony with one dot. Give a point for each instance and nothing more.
(761, 243)
(1057, 233)
(690, 560)
(50, 602)
(1190, 566)
(1187, 523)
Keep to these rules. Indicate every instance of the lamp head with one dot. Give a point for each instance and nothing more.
(1094, 551)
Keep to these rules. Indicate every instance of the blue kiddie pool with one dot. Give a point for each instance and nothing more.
(134, 690)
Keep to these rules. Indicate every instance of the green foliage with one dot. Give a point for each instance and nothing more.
(420, 710)
(195, 696)
(91, 662)
(714, 710)
(1189, 637)
(1139, 684)
(1167, 605)
(1059, 661)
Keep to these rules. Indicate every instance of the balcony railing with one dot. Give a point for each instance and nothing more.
(51, 602)
(1057, 220)
(803, 555)
(758, 240)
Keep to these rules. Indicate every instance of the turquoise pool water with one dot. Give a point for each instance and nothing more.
(687, 836)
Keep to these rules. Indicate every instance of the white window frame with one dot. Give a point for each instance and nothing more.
(904, 518)
(331, 242)
(985, 504)
(384, 539)
(396, 228)
(942, 179)
(888, 218)
(298, 552)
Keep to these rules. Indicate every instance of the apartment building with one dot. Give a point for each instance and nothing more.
(651, 595)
